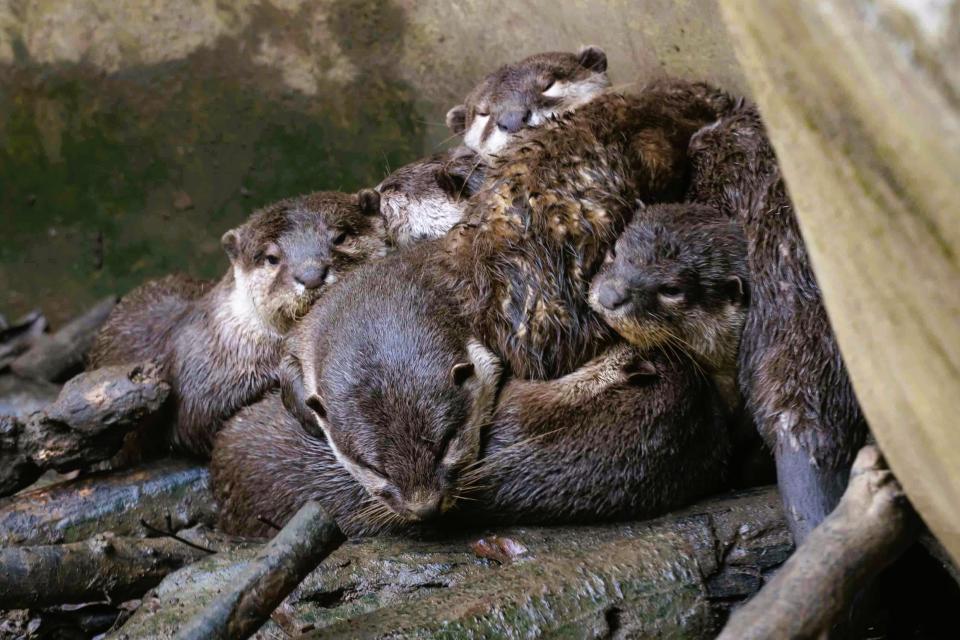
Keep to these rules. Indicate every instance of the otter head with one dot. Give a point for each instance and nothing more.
(677, 278)
(526, 94)
(284, 255)
(422, 200)
(405, 420)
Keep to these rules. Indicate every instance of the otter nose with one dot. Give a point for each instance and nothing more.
(311, 277)
(513, 121)
(612, 294)
(426, 510)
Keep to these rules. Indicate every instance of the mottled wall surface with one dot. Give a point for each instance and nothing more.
(133, 133)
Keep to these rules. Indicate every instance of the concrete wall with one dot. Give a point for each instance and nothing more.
(134, 132)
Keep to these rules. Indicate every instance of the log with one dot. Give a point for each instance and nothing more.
(85, 425)
(871, 527)
(309, 537)
(16, 339)
(676, 576)
(19, 397)
(59, 356)
(104, 567)
(870, 149)
(78, 509)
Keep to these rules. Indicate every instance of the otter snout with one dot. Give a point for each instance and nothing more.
(423, 510)
(311, 277)
(513, 121)
(612, 294)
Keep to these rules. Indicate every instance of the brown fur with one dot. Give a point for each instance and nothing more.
(677, 279)
(220, 344)
(628, 435)
(383, 367)
(791, 373)
(539, 230)
(525, 95)
(422, 200)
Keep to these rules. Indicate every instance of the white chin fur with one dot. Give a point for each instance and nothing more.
(471, 137)
(494, 144)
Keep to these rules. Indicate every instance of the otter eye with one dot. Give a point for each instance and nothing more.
(547, 84)
(339, 238)
(272, 259)
(483, 113)
(670, 291)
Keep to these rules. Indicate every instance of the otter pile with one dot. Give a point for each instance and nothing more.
(575, 317)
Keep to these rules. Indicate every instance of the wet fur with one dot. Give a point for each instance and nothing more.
(631, 434)
(220, 344)
(535, 90)
(422, 200)
(551, 208)
(697, 251)
(791, 373)
(379, 352)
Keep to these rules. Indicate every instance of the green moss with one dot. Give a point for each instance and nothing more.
(89, 160)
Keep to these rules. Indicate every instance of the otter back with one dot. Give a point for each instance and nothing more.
(538, 232)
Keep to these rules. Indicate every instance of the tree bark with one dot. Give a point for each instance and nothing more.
(116, 502)
(58, 356)
(85, 425)
(873, 524)
(676, 576)
(103, 567)
(280, 566)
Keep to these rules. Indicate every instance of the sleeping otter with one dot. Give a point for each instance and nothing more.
(630, 434)
(527, 94)
(220, 344)
(422, 200)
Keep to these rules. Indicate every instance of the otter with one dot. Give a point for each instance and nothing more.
(677, 279)
(527, 94)
(422, 200)
(791, 373)
(631, 434)
(220, 344)
(538, 231)
(385, 370)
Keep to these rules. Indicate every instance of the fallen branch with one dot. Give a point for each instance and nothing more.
(106, 567)
(20, 337)
(19, 397)
(309, 537)
(58, 356)
(869, 529)
(85, 425)
(78, 509)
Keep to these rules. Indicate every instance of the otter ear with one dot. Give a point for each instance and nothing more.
(640, 372)
(369, 201)
(592, 58)
(457, 119)
(293, 395)
(230, 241)
(461, 372)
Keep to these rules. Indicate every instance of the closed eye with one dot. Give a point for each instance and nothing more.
(670, 292)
